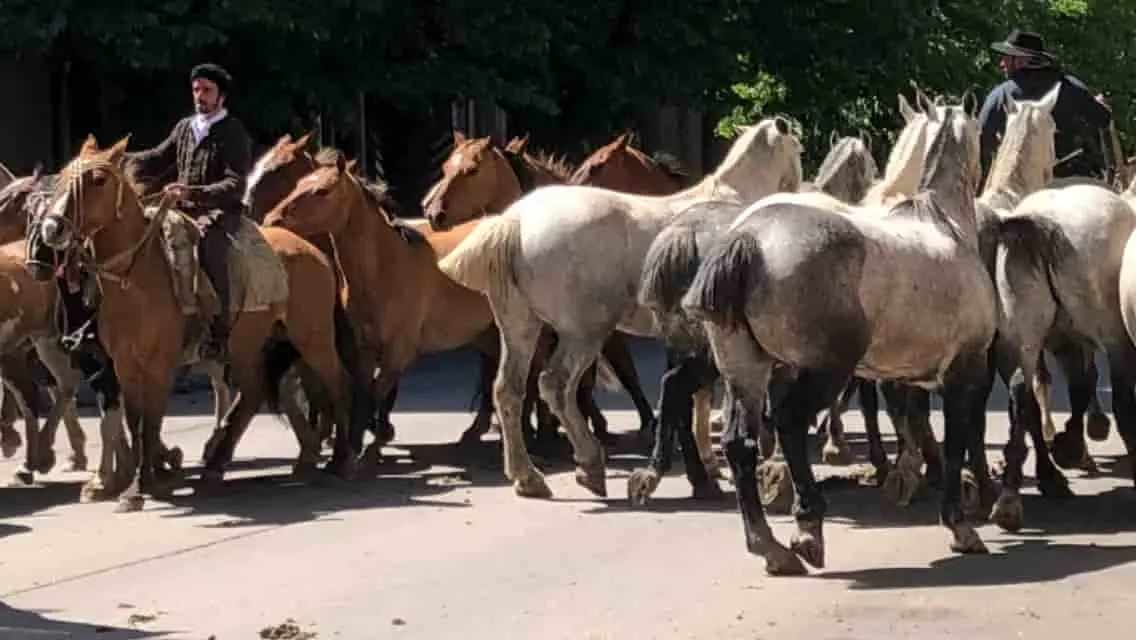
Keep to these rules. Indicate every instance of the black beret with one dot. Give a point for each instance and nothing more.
(214, 73)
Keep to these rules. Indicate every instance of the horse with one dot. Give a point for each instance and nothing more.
(96, 215)
(804, 281)
(1063, 284)
(480, 177)
(18, 204)
(571, 257)
(670, 264)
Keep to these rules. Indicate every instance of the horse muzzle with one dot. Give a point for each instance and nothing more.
(53, 233)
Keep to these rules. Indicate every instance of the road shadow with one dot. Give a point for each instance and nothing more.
(16, 502)
(19, 624)
(1020, 562)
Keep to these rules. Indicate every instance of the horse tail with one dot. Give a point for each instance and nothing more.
(363, 404)
(1030, 246)
(484, 260)
(668, 269)
(725, 280)
(279, 356)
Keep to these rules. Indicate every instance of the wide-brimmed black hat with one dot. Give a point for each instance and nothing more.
(1023, 43)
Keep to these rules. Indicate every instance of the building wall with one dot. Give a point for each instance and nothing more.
(25, 116)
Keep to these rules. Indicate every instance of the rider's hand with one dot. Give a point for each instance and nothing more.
(176, 190)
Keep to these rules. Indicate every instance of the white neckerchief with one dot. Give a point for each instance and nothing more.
(202, 123)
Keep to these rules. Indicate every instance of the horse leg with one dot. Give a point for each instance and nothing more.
(870, 408)
(487, 368)
(144, 400)
(1122, 372)
(1068, 446)
(902, 482)
(836, 450)
(677, 404)
(919, 414)
(703, 439)
(19, 384)
(291, 386)
(964, 393)
(1043, 391)
(747, 371)
(109, 480)
(558, 384)
(617, 351)
(59, 364)
(1096, 425)
(586, 401)
(247, 366)
(545, 441)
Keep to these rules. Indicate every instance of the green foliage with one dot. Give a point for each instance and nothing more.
(571, 74)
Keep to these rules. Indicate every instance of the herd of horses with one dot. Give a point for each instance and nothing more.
(791, 295)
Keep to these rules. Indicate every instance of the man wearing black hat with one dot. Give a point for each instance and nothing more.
(211, 152)
(1031, 72)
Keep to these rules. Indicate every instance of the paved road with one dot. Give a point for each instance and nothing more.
(437, 547)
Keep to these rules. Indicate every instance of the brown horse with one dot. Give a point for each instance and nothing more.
(399, 302)
(97, 217)
(272, 178)
(478, 178)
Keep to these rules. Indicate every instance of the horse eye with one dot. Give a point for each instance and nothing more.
(99, 179)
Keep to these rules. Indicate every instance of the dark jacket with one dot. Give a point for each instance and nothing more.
(215, 170)
(1078, 116)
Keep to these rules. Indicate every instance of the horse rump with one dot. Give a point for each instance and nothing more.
(724, 282)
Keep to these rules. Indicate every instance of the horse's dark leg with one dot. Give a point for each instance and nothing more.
(586, 400)
(676, 408)
(617, 351)
(979, 492)
(835, 450)
(1025, 415)
(870, 407)
(919, 414)
(1122, 370)
(382, 427)
(1069, 447)
(487, 371)
(812, 392)
(964, 392)
(902, 482)
(545, 441)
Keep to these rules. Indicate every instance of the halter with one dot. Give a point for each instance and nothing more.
(70, 185)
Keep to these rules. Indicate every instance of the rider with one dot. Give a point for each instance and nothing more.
(1031, 72)
(212, 153)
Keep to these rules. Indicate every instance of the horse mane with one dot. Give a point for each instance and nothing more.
(377, 193)
(557, 166)
(670, 164)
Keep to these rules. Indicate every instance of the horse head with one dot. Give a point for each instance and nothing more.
(477, 178)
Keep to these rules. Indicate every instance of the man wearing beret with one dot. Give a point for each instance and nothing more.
(211, 153)
(1031, 72)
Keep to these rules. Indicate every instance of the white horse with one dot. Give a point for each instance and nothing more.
(902, 296)
(571, 257)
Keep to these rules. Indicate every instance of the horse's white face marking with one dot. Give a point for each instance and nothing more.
(14, 286)
(254, 178)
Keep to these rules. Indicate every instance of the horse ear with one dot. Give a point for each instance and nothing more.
(832, 138)
(782, 125)
(37, 172)
(90, 145)
(906, 110)
(351, 164)
(117, 152)
(970, 103)
(924, 101)
(517, 145)
(283, 140)
(302, 141)
(459, 137)
(1049, 100)
(866, 139)
(623, 139)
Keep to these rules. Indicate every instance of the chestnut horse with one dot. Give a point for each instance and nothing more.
(97, 217)
(480, 178)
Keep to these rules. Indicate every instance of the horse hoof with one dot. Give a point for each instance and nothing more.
(1068, 453)
(10, 443)
(46, 461)
(640, 485)
(209, 451)
(1008, 513)
(22, 478)
(836, 455)
(775, 486)
(384, 433)
(174, 458)
(94, 491)
(343, 468)
(713, 468)
(532, 486)
(971, 497)
(130, 504)
(304, 470)
(592, 479)
(967, 541)
(77, 463)
(370, 459)
(1097, 427)
(809, 546)
(783, 562)
(901, 486)
(212, 479)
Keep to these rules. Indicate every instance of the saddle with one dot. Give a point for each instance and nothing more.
(257, 276)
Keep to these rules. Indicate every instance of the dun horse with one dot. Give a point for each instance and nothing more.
(904, 297)
(570, 257)
(97, 217)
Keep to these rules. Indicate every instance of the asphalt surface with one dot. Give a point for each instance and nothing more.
(438, 547)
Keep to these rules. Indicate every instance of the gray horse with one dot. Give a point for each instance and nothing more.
(902, 296)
